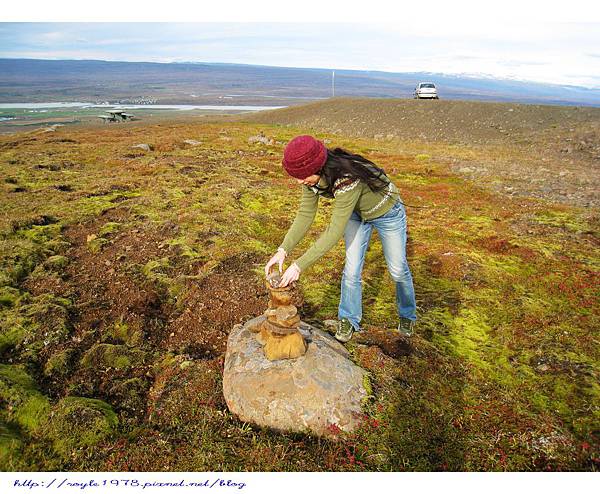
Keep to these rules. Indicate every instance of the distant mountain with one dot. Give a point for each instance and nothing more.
(32, 80)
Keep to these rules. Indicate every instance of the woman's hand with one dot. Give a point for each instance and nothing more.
(291, 274)
(278, 258)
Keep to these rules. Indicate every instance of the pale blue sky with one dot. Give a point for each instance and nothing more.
(561, 53)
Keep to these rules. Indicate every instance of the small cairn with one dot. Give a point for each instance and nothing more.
(283, 373)
(279, 333)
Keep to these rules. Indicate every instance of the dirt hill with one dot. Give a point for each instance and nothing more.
(550, 152)
(460, 121)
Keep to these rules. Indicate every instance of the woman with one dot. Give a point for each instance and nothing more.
(364, 198)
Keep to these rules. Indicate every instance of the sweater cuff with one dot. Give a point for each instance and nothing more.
(302, 265)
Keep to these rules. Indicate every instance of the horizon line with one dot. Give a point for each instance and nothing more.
(467, 75)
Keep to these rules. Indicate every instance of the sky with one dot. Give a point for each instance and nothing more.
(554, 51)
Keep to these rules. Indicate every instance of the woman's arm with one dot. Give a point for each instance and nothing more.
(304, 218)
(345, 200)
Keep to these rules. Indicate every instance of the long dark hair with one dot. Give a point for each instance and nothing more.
(341, 163)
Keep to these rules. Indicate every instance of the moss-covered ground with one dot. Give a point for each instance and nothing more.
(122, 271)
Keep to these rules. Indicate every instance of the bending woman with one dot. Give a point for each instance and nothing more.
(364, 198)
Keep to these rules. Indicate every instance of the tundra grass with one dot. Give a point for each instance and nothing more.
(503, 370)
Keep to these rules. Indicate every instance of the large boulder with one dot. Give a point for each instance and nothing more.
(318, 392)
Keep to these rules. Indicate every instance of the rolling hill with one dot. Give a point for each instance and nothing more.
(31, 80)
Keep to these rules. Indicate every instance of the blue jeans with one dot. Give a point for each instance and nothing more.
(391, 228)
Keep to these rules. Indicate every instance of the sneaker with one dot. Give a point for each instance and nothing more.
(406, 327)
(344, 331)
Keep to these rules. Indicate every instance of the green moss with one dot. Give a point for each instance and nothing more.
(497, 267)
(469, 334)
(56, 263)
(34, 323)
(412, 179)
(9, 296)
(481, 223)
(185, 249)
(152, 268)
(18, 258)
(109, 228)
(185, 395)
(40, 233)
(78, 423)
(95, 244)
(21, 402)
(166, 361)
(254, 245)
(436, 323)
(104, 356)
(562, 219)
(90, 207)
(58, 364)
(253, 202)
(129, 395)
(13, 332)
(121, 331)
(156, 270)
(11, 448)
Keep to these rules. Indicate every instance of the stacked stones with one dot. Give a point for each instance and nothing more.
(282, 373)
(279, 332)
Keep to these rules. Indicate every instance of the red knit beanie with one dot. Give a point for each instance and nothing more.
(304, 156)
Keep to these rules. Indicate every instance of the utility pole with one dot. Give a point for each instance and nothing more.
(333, 83)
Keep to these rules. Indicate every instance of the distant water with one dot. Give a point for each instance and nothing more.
(132, 107)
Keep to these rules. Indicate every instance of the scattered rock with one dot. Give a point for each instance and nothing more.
(52, 128)
(192, 142)
(261, 138)
(145, 147)
(330, 324)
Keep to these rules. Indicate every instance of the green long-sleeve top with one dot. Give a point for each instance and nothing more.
(350, 195)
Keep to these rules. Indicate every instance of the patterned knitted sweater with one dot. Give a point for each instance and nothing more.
(349, 195)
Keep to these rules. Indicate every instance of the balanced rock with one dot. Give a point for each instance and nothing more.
(312, 392)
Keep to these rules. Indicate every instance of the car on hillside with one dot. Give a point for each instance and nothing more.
(426, 90)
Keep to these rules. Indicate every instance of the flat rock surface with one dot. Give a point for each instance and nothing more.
(309, 393)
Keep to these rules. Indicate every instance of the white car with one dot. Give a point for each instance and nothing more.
(426, 90)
